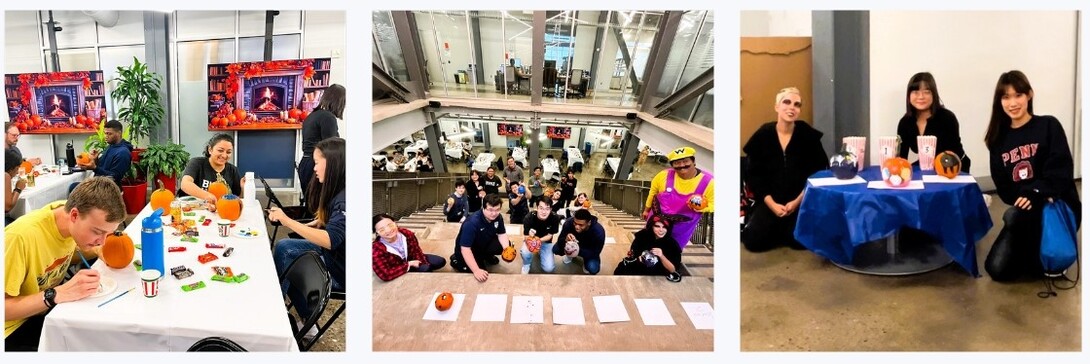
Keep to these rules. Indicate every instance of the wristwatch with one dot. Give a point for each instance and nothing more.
(17, 190)
(50, 296)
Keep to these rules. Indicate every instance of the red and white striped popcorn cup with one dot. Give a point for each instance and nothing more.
(925, 146)
(150, 278)
(887, 148)
(857, 145)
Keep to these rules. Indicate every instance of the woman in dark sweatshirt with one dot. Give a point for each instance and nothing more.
(781, 155)
(926, 115)
(1030, 164)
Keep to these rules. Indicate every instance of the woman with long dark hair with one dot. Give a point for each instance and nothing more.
(1031, 165)
(926, 115)
(320, 125)
(326, 234)
(214, 166)
(474, 191)
(654, 251)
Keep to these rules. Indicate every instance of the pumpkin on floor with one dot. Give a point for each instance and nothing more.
(947, 164)
(444, 301)
(117, 251)
(161, 199)
(229, 207)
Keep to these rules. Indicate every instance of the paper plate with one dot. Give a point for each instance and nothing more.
(245, 233)
(109, 285)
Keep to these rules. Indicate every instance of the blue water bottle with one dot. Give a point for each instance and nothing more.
(151, 238)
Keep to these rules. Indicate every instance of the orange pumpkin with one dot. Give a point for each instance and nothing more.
(586, 204)
(27, 167)
(161, 199)
(229, 207)
(509, 253)
(218, 189)
(294, 113)
(83, 159)
(240, 114)
(947, 164)
(444, 301)
(117, 252)
(897, 172)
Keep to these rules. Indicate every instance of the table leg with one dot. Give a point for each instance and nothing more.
(905, 253)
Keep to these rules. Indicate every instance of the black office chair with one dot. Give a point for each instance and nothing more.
(215, 343)
(308, 277)
(298, 213)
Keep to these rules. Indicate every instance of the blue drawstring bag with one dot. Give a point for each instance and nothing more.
(1058, 243)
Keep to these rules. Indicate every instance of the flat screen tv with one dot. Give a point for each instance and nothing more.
(513, 130)
(558, 132)
(56, 102)
(273, 95)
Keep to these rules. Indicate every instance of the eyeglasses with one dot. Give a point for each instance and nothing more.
(14, 134)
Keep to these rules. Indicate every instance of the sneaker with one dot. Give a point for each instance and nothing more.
(567, 259)
(585, 271)
(526, 269)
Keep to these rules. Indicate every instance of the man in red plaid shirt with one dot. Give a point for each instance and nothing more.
(396, 251)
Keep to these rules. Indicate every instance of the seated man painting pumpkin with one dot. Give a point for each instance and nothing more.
(38, 248)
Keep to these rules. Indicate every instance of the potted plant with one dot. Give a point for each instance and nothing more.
(165, 162)
(138, 90)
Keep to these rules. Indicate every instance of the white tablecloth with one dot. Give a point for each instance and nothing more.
(454, 150)
(550, 168)
(47, 188)
(519, 153)
(417, 146)
(574, 156)
(483, 161)
(613, 164)
(251, 313)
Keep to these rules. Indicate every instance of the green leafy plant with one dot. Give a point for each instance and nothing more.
(97, 141)
(169, 159)
(139, 90)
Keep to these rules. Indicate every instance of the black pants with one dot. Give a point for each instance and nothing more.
(26, 337)
(484, 254)
(1016, 252)
(766, 231)
(306, 173)
(434, 263)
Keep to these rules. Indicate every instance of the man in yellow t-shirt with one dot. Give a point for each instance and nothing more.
(678, 191)
(38, 248)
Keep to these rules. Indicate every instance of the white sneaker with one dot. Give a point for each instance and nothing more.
(567, 259)
(585, 271)
(525, 269)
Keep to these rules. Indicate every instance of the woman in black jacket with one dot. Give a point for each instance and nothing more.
(1031, 164)
(655, 238)
(926, 115)
(781, 155)
(320, 125)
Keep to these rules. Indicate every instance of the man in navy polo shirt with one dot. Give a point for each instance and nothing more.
(481, 238)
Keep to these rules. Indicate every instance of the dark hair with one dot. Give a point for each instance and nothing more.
(571, 172)
(333, 100)
(538, 168)
(582, 215)
(493, 199)
(658, 218)
(332, 150)
(1000, 122)
(215, 140)
(474, 172)
(922, 81)
(542, 199)
(492, 168)
(12, 160)
(115, 125)
(459, 183)
(377, 218)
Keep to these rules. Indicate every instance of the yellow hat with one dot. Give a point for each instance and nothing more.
(680, 153)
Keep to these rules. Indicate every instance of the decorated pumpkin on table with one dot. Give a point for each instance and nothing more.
(117, 251)
(218, 189)
(83, 159)
(947, 164)
(161, 199)
(844, 165)
(897, 172)
(509, 253)
(27, 167)
(443, 301)
(229, 207)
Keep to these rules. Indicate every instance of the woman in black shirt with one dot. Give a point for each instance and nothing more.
(319, 125)
(213, 166)
(781, 155)
(656, 239)
(1030, 164)
(926, 115)
(474, 191)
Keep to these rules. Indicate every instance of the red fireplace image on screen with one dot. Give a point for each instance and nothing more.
(265, 95)
(57, 102)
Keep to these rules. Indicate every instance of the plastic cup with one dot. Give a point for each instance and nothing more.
(150, 278)
(224, 228)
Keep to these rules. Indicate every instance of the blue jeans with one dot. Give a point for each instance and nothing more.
(548, 263)
(286, 251)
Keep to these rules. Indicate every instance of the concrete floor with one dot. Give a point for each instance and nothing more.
(794, 300)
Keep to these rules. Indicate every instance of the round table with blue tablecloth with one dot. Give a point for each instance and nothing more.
(836, 221)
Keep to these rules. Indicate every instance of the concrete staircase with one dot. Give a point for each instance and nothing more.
(696, 259)
(421, 222)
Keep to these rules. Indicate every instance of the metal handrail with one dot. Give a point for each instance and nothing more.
(622, 184)
(417, 179)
